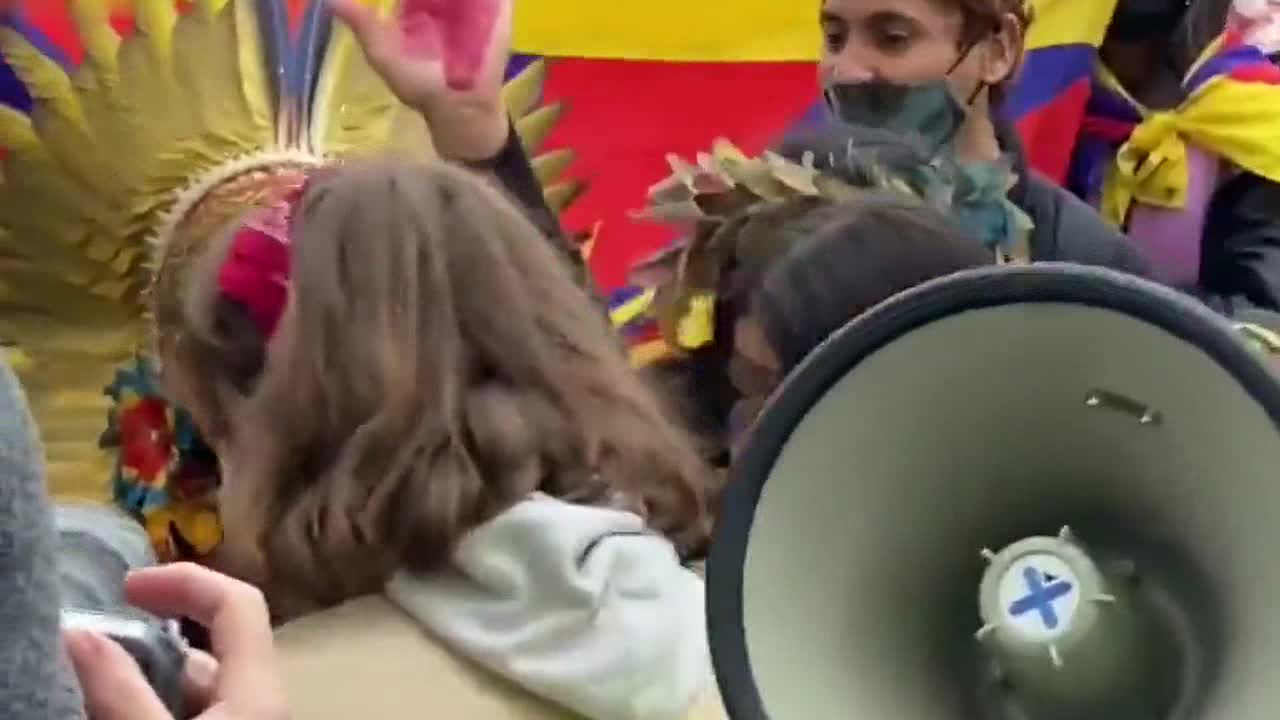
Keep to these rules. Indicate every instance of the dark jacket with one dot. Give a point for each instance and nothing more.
(514, 173)
(1240, 255)
(1066, 228)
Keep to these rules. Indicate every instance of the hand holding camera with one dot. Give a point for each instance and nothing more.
(240, 681)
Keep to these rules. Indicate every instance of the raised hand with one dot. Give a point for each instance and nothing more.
(445, 58)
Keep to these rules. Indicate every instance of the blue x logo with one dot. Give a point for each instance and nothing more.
(1042, 591)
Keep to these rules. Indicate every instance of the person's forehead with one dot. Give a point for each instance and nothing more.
(923, 11)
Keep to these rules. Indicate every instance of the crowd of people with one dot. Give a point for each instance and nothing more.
(444, 486)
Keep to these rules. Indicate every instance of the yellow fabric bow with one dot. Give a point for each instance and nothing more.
(693, 327)
(1150, 168)
(1232, 119)
(696, 327)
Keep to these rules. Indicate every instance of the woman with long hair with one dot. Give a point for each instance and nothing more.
(434, 454)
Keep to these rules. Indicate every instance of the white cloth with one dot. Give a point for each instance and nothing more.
(580, 605)
(1259, 22)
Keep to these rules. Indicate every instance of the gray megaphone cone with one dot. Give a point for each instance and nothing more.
(1021, 493)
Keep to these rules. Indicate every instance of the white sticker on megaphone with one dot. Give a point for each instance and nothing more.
(1039, 596)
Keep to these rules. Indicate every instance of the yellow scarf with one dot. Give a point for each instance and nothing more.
(1236, 120)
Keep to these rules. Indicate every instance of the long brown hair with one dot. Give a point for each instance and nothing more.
(435, 365)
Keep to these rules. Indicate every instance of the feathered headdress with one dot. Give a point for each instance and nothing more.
(671, 310)
(128, 163)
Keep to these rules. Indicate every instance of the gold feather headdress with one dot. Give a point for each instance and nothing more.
(130, 161)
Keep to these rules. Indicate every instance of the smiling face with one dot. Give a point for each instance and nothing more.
(912, 42)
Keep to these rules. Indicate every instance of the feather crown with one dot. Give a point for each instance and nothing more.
(717, 198)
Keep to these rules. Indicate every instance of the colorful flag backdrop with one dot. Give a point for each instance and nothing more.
(645, 79)
(1059, 69)
(1048, 102)
(640, 79)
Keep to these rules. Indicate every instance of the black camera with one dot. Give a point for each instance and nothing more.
(156, 645)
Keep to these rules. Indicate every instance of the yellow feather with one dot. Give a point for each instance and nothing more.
(16, 132)
(192, 48)
(155, 20)
(83, 480)
(74, 398)
(18, 359)
(86, 182)
(15, 268)
(57, 116)
(67, 441)
(725, 151)
(46, 374)
(41, 75)
(67, 368)
(47, 216)
(59, 395)
(73, 430)
(219, 101)
(522, 93)
(79, 450)
(62, 300)
(561, 195)
(550, 166)
(99, 40)
(256, 87)
(534, 128)
(72, 266)
(35, 172)
(354, 110)
(112, 344)
(410, 137)
(150, 89)
(98, 84)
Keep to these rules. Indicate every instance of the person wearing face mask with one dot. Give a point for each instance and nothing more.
(937, 69)
(690, 322)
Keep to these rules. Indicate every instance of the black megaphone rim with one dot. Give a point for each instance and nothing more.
(1180, 315)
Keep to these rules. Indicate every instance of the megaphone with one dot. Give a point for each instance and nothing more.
(1018, 493)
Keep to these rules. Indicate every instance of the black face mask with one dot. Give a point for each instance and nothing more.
(928, 111)
(1139, 20)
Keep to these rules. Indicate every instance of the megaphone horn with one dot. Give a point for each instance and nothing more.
(1041, 492)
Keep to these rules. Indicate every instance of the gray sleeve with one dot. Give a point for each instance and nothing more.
(36, 681)
(97, 546)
